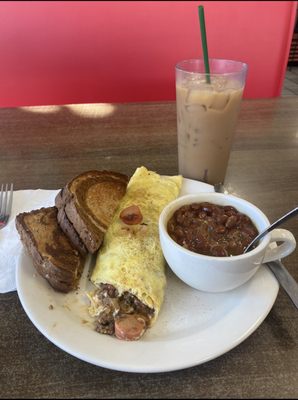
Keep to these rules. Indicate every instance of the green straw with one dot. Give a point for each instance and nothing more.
(204, 42)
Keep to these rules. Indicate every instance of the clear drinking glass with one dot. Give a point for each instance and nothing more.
(207, 114)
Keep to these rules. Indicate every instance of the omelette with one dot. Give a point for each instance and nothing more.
(129, 273)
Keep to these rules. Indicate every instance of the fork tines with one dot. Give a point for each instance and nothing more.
(6, 195)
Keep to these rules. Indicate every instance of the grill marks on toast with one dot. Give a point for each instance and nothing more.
(54, 256)
(89, 202)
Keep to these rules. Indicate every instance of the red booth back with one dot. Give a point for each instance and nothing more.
(85, 52)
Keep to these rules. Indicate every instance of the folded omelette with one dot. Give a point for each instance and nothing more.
(130, 269)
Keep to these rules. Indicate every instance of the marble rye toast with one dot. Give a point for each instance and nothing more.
(70, 232)
(86, 207)
(54, 256)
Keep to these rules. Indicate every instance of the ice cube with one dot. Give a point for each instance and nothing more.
(220, 101)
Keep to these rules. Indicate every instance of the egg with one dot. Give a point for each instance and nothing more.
(131, 258)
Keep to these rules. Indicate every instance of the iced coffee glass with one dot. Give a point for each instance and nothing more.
(207, 113)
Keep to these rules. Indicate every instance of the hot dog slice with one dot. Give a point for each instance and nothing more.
(130, 326)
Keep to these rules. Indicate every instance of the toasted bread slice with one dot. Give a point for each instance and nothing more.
(53, 255)
(90, 201)
(70, 232)
(67, 226)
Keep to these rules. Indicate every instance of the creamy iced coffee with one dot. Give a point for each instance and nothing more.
(206, 119)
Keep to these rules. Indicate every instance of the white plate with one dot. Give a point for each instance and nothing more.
(192, 328)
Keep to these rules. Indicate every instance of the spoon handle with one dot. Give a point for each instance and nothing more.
(287, 216)
(284, 218)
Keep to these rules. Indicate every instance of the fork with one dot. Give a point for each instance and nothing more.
(5, 204)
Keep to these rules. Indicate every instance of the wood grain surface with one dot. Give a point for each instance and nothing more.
(43, 147)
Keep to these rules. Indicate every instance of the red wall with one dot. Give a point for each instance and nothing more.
(74, 52)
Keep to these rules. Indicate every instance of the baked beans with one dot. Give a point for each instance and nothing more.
(211, 229)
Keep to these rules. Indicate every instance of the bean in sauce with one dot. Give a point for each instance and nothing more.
(211, 229)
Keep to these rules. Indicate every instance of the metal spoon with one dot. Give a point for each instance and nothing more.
(287, 216)
(284, 278)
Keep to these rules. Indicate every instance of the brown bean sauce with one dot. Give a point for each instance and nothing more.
(211, 229)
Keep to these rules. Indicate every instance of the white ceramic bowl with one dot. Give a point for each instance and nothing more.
(219, 274)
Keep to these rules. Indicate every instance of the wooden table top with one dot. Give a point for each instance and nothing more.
(43, 147)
